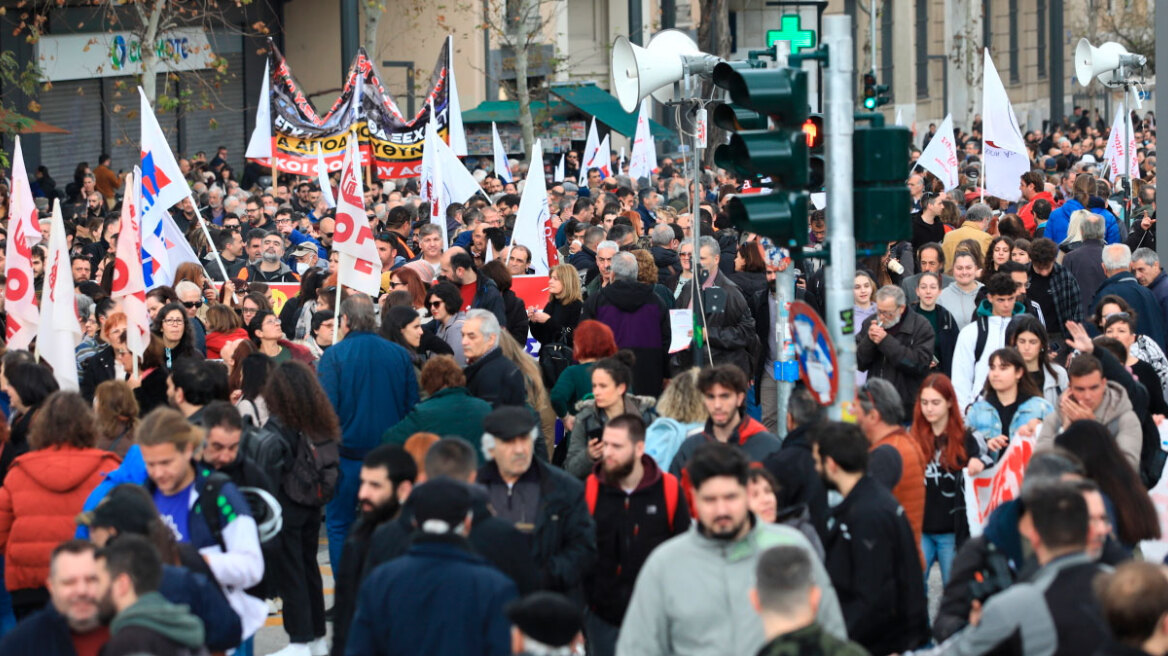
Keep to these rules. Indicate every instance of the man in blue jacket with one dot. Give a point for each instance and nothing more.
(370, 382)
(464, 595)
(1122, 283)
(69, 623)
(1060, 219)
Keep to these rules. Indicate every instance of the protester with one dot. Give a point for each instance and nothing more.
(1135, 604)
(884, 607)
(490, 376)
(26, 385)
(895, 345)
(959, 296)
(984, 336)
(945, 330)
(1122, 283)
(1028, 336)
(440, 565)
(70, 624)
(545, 623)
(116, 412)
(449, 409)
(361, 375)
(728, 328)
(1091, 396)
(896, 459)
(690, 614)
(443, 301)
(173, 327)
(44, 490)
(723, 390)
(1009, 404)
(680, 411)
(611, 379)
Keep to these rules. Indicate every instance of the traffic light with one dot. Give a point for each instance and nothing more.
(882, 202)
(816, 142)
(874, 94)
(781, 153)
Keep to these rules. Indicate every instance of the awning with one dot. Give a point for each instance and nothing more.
(507, 111)
(28, 125)
(594, 101)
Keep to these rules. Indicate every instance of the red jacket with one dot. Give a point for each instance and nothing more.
(216, 341)
(1026, 212)
(42, 495)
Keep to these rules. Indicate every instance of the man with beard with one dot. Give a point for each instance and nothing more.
(896, 345)
(637, 507)
(270, 267)
(680, 604)
(723, 389)
(69, 625)
(871, 553)
(141, 620)
(388, 475)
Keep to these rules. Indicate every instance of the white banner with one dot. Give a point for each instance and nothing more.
(996, 485)
(115, 54)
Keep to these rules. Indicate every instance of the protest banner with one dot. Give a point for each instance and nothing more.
(996, 485)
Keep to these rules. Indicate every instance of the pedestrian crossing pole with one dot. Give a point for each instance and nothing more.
(839, 123)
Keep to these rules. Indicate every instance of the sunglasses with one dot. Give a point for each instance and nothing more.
(327, 234)
(434, 304)
(190, 305)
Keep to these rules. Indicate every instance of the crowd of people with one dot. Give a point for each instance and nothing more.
(605, 495)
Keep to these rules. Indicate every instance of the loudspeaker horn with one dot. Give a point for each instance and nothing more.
(1103, 62)
(638, 72)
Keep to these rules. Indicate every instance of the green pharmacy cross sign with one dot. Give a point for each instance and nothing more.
(791, 30)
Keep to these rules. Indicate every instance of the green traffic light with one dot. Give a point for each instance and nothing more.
(870, 102)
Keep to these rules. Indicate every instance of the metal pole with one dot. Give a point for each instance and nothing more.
(785, 357)
(699, 336)
(1161, 111)
(350, 35)
(872, 32)
(1057, 77)
(1128, 97)
(839, 122)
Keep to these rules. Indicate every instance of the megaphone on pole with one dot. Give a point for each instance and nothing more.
(669, 56)
(1105, 63)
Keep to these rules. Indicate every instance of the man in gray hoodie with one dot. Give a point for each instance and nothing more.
(691, 596)
(1091, 396)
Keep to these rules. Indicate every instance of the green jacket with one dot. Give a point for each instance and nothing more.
(451, 411)
(810, 640)
(172, 621)
(573, 385)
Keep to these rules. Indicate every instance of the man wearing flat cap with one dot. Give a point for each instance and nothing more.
(545, 624)
(545, 503)
(464, 595)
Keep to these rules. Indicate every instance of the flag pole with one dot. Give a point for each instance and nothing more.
(337, 303)
(207, 234)
(275, 172)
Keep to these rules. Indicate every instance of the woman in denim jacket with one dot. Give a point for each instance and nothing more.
(1010, 400)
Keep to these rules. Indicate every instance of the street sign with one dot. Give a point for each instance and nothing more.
(814, 351)
(791, 29)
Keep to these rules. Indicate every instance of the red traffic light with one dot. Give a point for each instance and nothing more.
(813, 130)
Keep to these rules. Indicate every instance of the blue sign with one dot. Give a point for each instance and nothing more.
(815, 353)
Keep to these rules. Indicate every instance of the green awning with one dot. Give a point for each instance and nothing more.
(594, 101)
(506, 111)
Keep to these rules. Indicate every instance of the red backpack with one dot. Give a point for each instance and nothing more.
(672, 489)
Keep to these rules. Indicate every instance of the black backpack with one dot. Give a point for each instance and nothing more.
(267, 448)
(311, 477)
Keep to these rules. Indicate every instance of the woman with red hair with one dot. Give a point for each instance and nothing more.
(938, 429)
(591, 341)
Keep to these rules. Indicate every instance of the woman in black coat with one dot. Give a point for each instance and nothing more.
(513, 306)
(559, 318)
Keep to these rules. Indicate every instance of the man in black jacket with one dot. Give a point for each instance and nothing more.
(896, 345)
(458, 268)
(388, 474)
(794, 465)
(872, 556)
(541, 501)
(629, 524)
(492, 538)
(490, 376)
(729, 329)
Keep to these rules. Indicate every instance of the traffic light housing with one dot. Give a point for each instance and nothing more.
(882, 203)
(816, 143)
(781, 153)
(874, 94)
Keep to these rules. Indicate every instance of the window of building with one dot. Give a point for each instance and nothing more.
(1041, 38)
(987, 31)
(1015, 67)
(886, 38)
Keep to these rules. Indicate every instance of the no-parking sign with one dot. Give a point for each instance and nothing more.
(814, 351)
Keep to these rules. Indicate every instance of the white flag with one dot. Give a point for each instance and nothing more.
(360, 266)
(59, 331)
(502, 170)
(620, 162)
(24, 232)
(532, 219)
(589, 154)
(940, 157)
(322, 177)
(1115, 149)
(1005, 153)
(643, 159)
(455, 134)
(260, 144)
(129, 285)
(603, 159)
(899, 117)
(444, 178)
(558, 174)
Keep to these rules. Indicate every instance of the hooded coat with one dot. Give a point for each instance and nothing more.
(639, 321)
(40, 499)
(153, 625)
(1114, 412)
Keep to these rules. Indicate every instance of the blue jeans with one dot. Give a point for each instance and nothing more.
(7, 619)
(245, 649)
(341, 512)
(938, 548)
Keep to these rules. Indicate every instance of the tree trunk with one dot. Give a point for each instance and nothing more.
(522, 36)
(373, 10)
(149, 53)
(713, 38)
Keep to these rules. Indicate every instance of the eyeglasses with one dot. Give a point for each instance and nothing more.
(173, 322)
(684, 254)
(190, 305)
